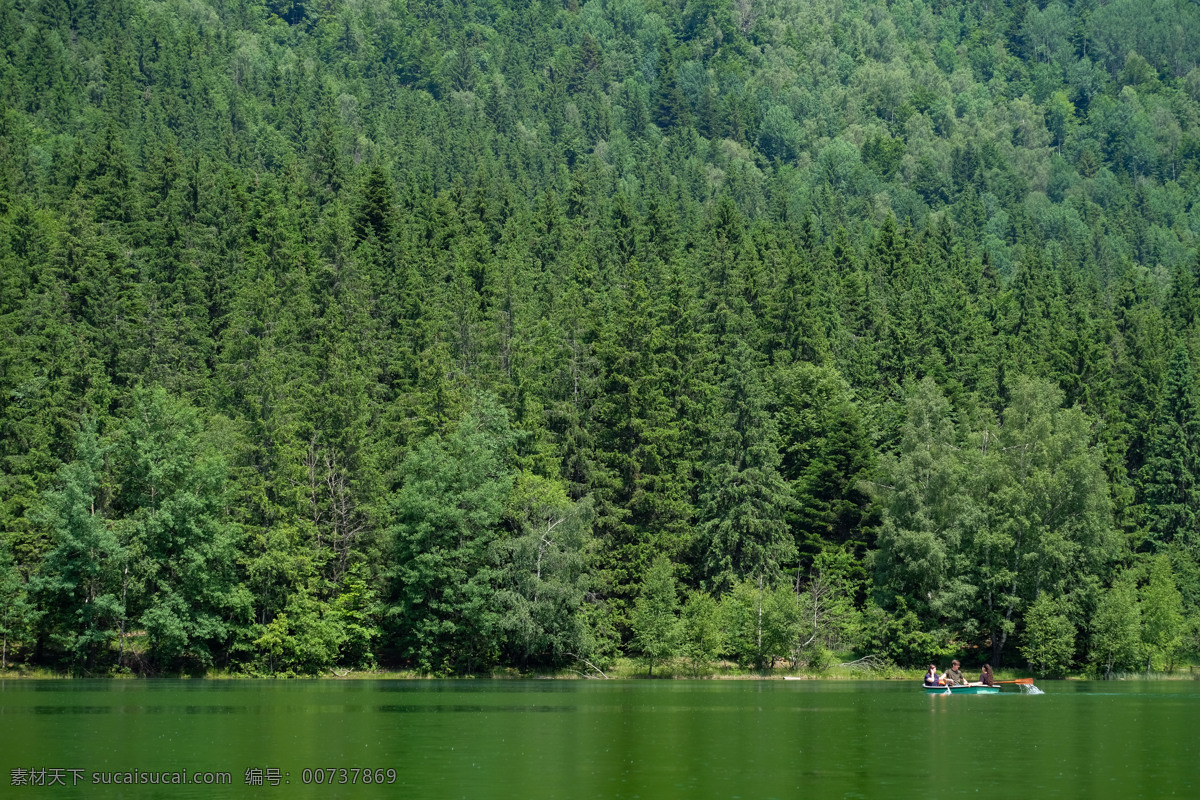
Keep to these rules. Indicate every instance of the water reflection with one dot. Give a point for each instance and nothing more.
(653, 739)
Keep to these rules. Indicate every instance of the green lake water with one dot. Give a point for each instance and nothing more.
(537, 740)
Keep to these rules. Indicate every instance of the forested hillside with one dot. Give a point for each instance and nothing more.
(454, 336)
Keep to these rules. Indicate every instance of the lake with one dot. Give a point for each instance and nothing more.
(534, 740)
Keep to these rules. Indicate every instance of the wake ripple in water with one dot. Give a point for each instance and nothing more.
(1029, 688)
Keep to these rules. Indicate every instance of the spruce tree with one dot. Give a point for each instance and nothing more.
(669, 106)
(1170, 478)
(743, 499)
(16, 610)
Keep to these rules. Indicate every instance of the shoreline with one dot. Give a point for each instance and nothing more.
(620, 672)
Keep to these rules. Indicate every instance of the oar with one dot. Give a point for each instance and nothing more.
(1018, 680)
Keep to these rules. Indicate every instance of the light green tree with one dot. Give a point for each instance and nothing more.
(780, 137)
(1047, 31)
(929, 509)
(544, 572)
(302, 639)
(656, 629)
(1116, 637)
(1048, 641)
(1162, 616)
(829, 619)
(979, 522)
(703, 632)
(1046, 524)
(763, 623)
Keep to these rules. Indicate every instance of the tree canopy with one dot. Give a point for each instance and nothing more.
(446, 336)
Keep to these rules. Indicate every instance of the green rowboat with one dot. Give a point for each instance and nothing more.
(961, 689)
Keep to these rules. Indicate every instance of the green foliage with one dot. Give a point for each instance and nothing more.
(1161, 608)
(744, 500)
(1116, 637)
(77, 585)
(355, 610)
(16, 612)
(763, 623)
(830, 617)
(298, 641)
(1048, 641)
(703, 636)
(171, 480)
(1170, 476)
(745, 282)
(448, 511)
(544, 571)
(826, 457)
(656, 626)
(976, 531)
(779, 137)
(898, 635)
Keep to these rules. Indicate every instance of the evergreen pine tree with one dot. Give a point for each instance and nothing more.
(668, 105)
(1170, 478)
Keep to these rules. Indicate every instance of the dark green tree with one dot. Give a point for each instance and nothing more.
(444, 578)
(172, 479)
(16, 611)
(77, 587)
(744, 500)
(1170, 477)
(669, 106)
(826, 457)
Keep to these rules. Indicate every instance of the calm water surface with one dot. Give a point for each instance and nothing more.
(538, 740)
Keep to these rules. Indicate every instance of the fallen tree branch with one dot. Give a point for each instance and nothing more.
(870, 662)
(590, 664)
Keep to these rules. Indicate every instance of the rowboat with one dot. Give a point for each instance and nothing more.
(961, 689)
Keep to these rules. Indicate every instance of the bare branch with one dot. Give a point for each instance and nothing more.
(585, 661)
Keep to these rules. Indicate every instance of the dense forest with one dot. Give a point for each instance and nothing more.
(505, 334)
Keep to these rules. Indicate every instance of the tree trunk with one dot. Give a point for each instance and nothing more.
(124, 616)
(759, 654)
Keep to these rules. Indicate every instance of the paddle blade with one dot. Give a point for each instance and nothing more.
(1018, 680)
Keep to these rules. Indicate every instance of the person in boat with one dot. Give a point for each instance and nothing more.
(985, 676)
(931, 676)
(954, 676)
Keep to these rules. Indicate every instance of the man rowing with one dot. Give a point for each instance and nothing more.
(954, 676)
